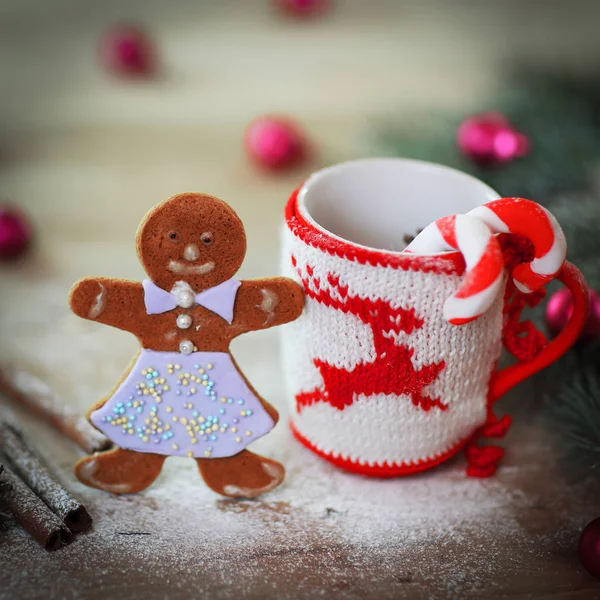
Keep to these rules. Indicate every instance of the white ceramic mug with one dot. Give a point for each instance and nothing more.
(379, 382)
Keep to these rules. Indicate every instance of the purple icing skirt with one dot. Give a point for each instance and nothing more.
(195, 405)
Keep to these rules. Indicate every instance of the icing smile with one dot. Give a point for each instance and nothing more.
(176, 266)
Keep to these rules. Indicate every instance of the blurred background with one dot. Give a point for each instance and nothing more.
(108, 107)
(85, 151)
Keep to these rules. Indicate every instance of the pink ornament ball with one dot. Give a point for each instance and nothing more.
(490, 139)
(127, 50)
(275, 143)
(589, 548)
(304, 8)
(15, 233)
(559, 309)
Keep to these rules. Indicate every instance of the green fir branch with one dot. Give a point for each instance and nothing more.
(558, 114)
(574, 413)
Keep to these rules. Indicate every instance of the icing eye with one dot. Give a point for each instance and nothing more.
(173, 236)
(207, 238)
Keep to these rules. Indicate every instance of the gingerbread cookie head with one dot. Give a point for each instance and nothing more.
(193, 237)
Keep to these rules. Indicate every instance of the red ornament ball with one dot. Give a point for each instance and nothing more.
(589, 548)
(560, 308)
(15, 233)
(128, 51)
(304, 8)
(275, 143)
(490, 139)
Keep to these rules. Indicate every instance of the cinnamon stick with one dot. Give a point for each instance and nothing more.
(32, 470)
(32, 514)
(29, 391)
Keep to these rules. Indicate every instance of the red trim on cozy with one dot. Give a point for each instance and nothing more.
(386, 470)
(533, 353)
(450, 262)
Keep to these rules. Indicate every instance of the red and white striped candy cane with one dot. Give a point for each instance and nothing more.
(525, 217)
(483, 258)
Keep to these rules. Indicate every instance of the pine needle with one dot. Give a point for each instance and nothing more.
(574, 414)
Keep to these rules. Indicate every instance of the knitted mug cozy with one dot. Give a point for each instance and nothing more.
(380, 383)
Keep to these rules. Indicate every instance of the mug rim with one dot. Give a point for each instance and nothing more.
(304, 226)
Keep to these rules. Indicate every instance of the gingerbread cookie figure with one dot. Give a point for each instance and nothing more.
(184, 394)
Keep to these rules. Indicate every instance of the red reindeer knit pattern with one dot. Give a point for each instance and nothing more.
(379, 382)
(392, 371)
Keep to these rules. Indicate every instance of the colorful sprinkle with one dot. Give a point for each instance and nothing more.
(147, 423)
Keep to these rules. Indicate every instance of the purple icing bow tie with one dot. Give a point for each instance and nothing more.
(219, 299)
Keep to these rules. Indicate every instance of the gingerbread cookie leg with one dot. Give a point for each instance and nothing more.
(119, 471)
(244, 475)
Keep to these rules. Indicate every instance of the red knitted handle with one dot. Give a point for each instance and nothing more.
(504, 380)
(483, 460)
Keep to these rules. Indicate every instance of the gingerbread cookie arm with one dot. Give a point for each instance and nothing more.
(114, 302)
(264, 303)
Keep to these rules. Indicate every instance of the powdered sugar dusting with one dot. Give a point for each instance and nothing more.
(438, 534)
(99, 303)
(270, 301)
(88, 471)
(234, 490)
(329, 529)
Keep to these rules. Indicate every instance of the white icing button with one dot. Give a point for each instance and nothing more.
(185, 299)
(184, 321)
(186, 347)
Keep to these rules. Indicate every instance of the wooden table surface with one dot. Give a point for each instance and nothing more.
(86, 154)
